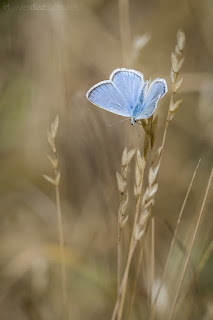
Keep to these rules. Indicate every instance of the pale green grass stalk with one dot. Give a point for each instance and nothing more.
(56, 181)
(172, 312)
(173, 241)
(205, 257)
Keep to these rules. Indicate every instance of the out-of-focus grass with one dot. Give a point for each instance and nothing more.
(48, 62)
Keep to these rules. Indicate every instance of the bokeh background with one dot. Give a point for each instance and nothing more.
(49, 59)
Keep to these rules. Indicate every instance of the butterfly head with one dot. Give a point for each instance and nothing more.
(133, 121)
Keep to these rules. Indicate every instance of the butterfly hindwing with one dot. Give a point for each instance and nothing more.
(156, 91)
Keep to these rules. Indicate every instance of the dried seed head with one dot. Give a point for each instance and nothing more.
(153, 174)
(137, 191)
(137, 174)
(121, 183)
(172, 76)
(178, 84)
(148, 204)
(51, 141)
(124, 157)
(123, 222)
(138, 233)
(139, 160)
(175, 65)
(124, 171)
(174, 107)
(177, 50)
(54, 162)
(130, 155)
(180, 63)
(50, 179)
(54, 127)
(123, 205)
(157, 155)
(143, 218)
(171, 116)
(149, 193)
(153, 190)
(181, 39)
(145, 196)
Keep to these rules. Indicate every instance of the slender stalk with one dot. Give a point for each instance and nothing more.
(173, 240)
(141, 249)
(51, 135)
(201, 264)
(205, 257)
(117, 304)
(119, 267)
(130, 254)
(135, 279)
(152, 262)
(61, 245)
(118, 309)
(171, 315)
(125, 32)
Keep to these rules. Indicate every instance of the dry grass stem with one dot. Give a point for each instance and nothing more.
(139, 174)
(149, 127)
(173, 240)
(172, 312)
(56, 181)
(199, 268)
(152, 262)
(125, 32)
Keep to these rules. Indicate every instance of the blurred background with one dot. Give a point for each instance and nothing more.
(51, 53)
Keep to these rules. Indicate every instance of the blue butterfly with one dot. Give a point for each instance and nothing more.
(127, 94)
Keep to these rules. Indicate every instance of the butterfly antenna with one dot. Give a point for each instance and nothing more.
(113, 124)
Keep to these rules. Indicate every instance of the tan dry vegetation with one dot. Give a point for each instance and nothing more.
(48, 62)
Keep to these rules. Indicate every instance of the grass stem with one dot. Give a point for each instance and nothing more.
(62, 257)
(172, 312)
(173, 240)
(125, 32)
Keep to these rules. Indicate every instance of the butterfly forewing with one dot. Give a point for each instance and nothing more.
(129, 83)
(106, 96)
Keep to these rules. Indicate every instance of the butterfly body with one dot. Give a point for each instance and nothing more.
(127, 94)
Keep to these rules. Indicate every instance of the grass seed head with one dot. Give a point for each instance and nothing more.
(181, 39)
